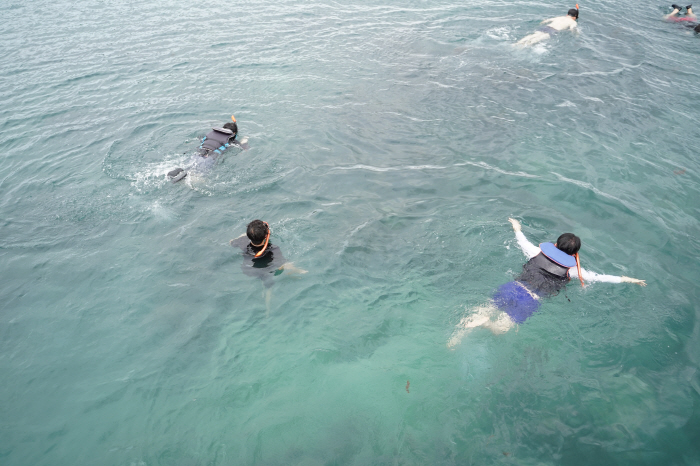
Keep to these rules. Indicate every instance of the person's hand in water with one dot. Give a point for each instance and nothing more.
(516, 224)
(636, 281)
(290, 268)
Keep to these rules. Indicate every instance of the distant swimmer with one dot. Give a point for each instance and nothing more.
(689, 19)
(675, 17)
(261, 258)
(552, 26)
(548, 271)
(213, 145)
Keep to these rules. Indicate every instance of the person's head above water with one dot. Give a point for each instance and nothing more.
(568, 243)
(573, 12)
(257, 232)
(232, 126)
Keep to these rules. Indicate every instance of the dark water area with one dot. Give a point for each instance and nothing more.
(389, 143)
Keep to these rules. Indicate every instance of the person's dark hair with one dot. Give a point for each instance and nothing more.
(232, 126)
(569, 243)
(573, 12)
(257, 231)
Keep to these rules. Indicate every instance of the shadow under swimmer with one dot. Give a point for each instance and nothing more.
(213, 145)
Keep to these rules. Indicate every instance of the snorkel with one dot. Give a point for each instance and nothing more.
(578, 262)
(267, 238)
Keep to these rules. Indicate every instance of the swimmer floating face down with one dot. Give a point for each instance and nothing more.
(549, 268)
(215, 143)
(551, 27)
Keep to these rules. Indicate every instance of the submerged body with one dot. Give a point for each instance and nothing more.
(265, 266)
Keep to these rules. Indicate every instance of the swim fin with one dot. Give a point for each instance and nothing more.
(177, 174)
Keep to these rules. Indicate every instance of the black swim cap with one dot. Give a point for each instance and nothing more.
(573, 12)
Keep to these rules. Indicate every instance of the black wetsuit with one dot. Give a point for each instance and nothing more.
(263, 267)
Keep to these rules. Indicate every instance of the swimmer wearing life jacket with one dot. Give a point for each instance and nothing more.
(261, 258)
(675, 17)
(550, 27)
(548, 270)
(213, 145)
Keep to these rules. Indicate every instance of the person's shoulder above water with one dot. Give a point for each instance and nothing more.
(241, 242)
(561, 23)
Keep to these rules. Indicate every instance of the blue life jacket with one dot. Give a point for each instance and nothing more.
(547, 272)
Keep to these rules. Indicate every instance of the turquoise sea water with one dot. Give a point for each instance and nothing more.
(389, 143)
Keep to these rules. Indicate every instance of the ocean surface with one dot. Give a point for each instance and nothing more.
(389, 144)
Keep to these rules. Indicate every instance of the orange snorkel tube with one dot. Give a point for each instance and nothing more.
(234, 118)
(578, 264)
(267, 238)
